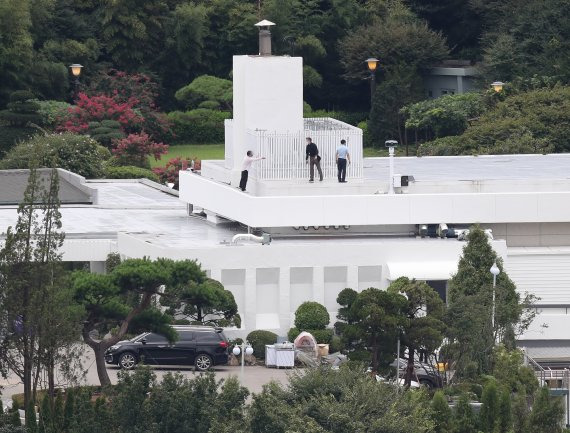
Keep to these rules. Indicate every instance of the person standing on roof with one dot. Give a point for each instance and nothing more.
(246, 165)
(342, 156)
(313, 158)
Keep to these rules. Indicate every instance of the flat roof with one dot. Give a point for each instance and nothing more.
(485, 167)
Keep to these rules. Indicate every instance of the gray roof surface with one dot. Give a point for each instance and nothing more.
(13, 184)
(487, 167)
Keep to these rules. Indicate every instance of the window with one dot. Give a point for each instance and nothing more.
(208, 337)
(155, 338)
(185, 335)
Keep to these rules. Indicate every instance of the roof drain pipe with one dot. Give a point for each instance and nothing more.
(265, 239)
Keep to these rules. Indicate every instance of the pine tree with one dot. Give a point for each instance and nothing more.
(69, 409)
(31, 422)
(505, 413)
(520, 412)
(490, 407)
(463, 417)
(441, 413)
(547, 413)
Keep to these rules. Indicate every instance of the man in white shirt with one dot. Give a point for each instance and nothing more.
(246, 165)
(342, 155)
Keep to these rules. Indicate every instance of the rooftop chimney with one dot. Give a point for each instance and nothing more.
(264, 37)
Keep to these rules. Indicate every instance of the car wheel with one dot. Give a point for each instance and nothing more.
(427, 383)
(203, 362)
(127, 361)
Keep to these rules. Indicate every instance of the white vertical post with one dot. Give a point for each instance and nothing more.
(391, 180)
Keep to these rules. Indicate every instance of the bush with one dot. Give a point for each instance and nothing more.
(52, 111)
(21, 110)
(335, 344)
(258, 340)
(311, 315)
(136, 148)
(77, 153)
(366, 138)
(323, 336)
(130, 172)
(293, 333)
(12, 135)
(198, 126)
(105, 132)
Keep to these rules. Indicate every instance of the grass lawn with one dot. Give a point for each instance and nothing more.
(201, 151)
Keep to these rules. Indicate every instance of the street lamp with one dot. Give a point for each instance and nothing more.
(245, 349)
(497, 86)
(495, 271)
(372, 63)
(391, 145)
(76, 72)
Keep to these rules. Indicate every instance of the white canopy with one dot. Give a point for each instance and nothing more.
(426, 271)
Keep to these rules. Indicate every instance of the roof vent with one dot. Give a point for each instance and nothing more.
(264, 37)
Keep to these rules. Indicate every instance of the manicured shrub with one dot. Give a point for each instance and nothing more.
(311, 316)
(105, 132)
(170, 172)
(292, 334)
(130, 172)
(77, 153)
(323, 336)
(201, 125)
(12, 135)
(21, 110)
(52, 111)
(258, 339)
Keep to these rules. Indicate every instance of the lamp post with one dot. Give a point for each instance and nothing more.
(497, 86)
(245, 349)
(495, 271)
(76, 72)
(372, 63)
(391, 145)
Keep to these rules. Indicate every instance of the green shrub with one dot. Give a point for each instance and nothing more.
(335, 344)
(105, 132)
(77, 153)
(130, 172)
(210, 105)
(293, 333)
(21, 110)
(258, 340)
(323, 336)
(311, 315)
(201, 125)
(366, 138)
(12, 135)
(52, 111)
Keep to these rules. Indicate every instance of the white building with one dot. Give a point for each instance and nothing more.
(327, 236)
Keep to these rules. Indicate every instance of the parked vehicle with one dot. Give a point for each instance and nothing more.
(201, 346)
(425, 374)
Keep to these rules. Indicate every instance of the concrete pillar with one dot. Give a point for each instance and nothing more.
(250, 302)
(285, 298)
(459, 84)
(319, 284)
(352, 277)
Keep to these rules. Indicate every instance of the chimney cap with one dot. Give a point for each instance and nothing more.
(264, 23)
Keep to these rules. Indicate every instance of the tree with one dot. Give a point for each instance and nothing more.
(31, 280)
(490, 408)
(441, 413)
(206, 88)
(463, 416)
(373, 320)
(118, 300)
(423, 329)
(505, 413)
(471, 337)
(547, 413)
(191, 294)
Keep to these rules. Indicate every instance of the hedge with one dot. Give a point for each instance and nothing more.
(130, 172)
(258, 340)
(201, 125)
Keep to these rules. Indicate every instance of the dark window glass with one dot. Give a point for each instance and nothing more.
(208, 337)
(155, 338)
(185, 335)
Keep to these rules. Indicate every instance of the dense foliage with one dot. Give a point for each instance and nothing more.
(77, 153)
(259, 339)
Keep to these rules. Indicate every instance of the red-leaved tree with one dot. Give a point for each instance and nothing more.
(136, 148)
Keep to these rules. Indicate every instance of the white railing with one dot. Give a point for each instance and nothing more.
(285, 152)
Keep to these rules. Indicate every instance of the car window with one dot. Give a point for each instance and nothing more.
(185, 336)
(156, 338)
(207, 337)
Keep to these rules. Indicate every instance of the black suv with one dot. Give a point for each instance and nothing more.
(200, 346)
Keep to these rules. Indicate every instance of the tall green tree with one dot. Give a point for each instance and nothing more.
(547, 413)
(471, 336)
(370, 323)
(464, 419)
(490, 409)
(441, 413)
(423, 311)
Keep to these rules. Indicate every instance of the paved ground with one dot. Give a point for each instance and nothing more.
(254, 377)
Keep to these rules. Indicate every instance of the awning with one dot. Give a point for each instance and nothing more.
(426, 271)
